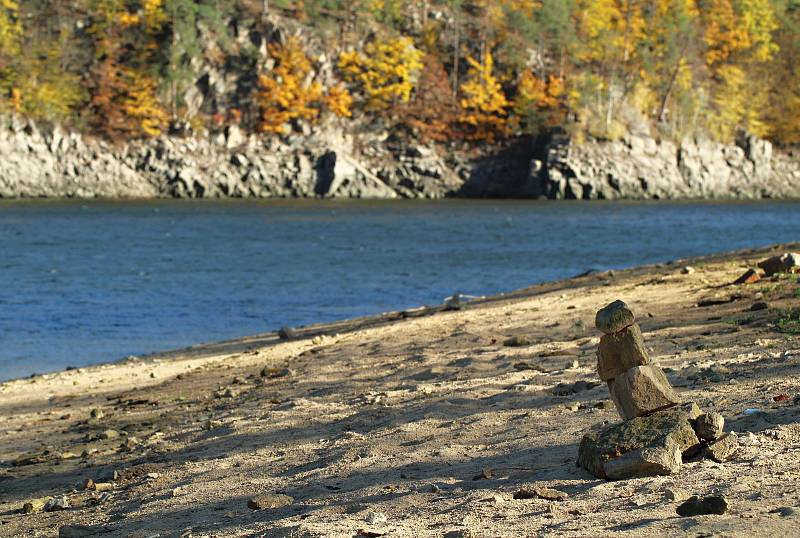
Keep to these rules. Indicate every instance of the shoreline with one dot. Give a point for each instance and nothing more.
(320, 328)
(399, 414)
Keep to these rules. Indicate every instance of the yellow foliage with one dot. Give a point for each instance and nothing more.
(540, 101)
(141, 105)
(339, 101)
(610, 29)
(126, 19)
(10, 27)
(286, 93)
(386, 72)
(16, 100)
(758, 17)
(154, 14)
(484, 105)
(724, 36)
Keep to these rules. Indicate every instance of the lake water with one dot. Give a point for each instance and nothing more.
(84, 283)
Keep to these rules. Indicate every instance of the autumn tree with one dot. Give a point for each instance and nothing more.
(484, 104)
(431, 113)
(289, 94)
(385, 73)
(783, 112)
(540, 102)
(739, 40)
(124, 97)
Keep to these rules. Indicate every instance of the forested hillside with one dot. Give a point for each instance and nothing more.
(441, 70)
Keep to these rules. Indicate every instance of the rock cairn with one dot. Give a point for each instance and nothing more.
(637, 386)
(658, 431)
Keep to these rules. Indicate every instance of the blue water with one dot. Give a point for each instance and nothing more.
(85, 283)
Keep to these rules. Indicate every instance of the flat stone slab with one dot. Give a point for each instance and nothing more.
(642, 390)
(614, 317)
(621, 351)
(643, 446)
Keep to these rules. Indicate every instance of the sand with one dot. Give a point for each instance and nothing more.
(418, 424)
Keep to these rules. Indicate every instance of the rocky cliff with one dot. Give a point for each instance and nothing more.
(52, 163)
(642, 168)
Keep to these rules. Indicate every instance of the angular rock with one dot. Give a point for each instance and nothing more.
(621, 351)
(750, 277)
(614, 317)
(695, 506)
(709, 426)
(723, 449)
(269, 500)
(783, 263)
(661, 430)
(642, 390)
(660, 460)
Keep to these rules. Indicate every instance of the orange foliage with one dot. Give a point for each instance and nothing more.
(285, 94)
(339, 101)
(431, 112)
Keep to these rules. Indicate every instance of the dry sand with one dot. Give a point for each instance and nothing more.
(426, 418)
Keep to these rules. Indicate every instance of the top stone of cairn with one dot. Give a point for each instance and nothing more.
(614, 317)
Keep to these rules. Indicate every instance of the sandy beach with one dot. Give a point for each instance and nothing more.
(418, 423)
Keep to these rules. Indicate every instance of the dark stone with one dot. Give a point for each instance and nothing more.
(783, 263)
(286, 333)
(759, 306)
(695, 506)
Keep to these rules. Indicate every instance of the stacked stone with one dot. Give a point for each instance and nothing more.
(637, 386)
